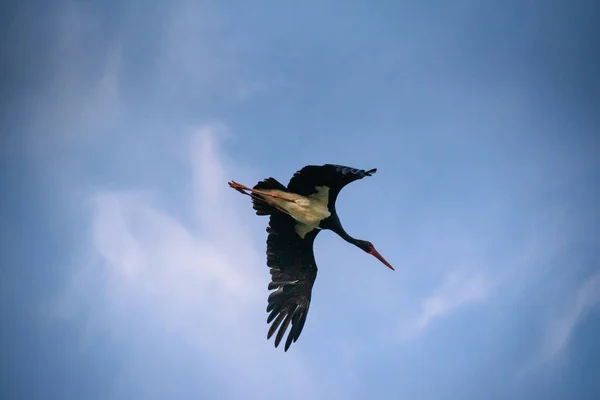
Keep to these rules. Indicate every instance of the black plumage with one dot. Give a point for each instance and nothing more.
(290, 255)
(333, 176)
(293, 272)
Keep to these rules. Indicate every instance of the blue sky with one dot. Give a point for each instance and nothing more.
(131, 271)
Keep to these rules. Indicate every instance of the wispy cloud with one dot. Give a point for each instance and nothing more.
(199, 284)
(561, 328)
(457, 290)
(170, 279)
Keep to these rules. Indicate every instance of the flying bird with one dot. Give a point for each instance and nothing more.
(298, 213)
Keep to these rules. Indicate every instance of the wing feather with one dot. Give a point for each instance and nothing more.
(335, 177)
(291, 258)
(293, 273)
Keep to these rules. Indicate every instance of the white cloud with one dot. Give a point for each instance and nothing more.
(457, 290)
(177, 296)
(162, 284)
(561, 328)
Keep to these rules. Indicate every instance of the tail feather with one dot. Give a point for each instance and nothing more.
(260, 205)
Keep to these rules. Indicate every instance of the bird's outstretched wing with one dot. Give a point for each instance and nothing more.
(335, 177)
(293, 273)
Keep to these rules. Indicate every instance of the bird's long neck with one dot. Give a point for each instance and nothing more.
(336, 226)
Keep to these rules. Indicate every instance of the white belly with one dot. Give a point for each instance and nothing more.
(309, 211)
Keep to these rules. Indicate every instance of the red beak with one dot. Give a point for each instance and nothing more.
(376, 254)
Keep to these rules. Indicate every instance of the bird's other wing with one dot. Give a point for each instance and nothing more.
(293, 273)
(335, 177)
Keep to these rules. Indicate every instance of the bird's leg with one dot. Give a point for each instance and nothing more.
(242, 189)
(239, 187)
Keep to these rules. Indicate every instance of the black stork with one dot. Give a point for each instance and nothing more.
(297, 214)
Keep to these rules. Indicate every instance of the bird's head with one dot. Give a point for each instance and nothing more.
(369, 248)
